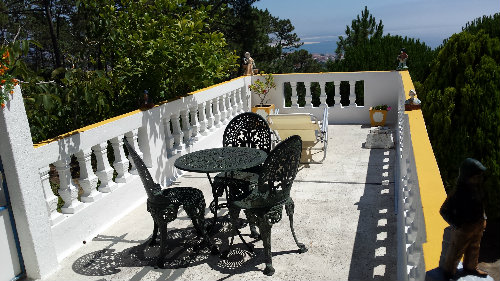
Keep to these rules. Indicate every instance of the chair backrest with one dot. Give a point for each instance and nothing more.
(151, 187)
(248, 130)
(301, 124)
(280, 168)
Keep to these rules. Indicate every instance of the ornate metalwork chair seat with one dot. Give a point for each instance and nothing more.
(163, 205)
(245, 130)
(264, 205)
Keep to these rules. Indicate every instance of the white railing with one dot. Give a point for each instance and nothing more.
(158, 135)
(408, 205)
(378, 88)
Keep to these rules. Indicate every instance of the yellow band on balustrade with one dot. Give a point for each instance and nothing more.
(432, 190)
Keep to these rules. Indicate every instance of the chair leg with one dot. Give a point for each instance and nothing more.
(160, 262)
(289, 207)
(198, 219)
(152, 242)
(265, 232)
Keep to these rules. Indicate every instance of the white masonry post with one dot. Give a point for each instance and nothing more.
(26, 190)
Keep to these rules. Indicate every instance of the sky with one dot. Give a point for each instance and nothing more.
(320, 22)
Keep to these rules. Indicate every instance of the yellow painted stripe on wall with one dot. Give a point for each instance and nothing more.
(432, 190)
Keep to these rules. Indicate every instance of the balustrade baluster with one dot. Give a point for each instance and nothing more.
(67, 189)
(239, 103)
(222, 109)
(186, 127)
(121, 162)
(294, 98)
(169, 138)
(229, 106)
(132, 140)
(352, 93)
(322, 97)
(216, 113)
(104, 171)
(176, 131)
(195, 125)
(308, 97)
(210, 116)
(337, 96)
(245, 99)
(88, 180)
(50, 199)
(202, 119)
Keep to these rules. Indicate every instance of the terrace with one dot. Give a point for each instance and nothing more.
(364, 214)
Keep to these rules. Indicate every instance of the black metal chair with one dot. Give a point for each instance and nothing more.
(163, 205)
(264, 205)
(247, 129)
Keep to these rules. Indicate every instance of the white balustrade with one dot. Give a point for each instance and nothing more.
(88, 180)
(234, 102)
(121, 162)
(176, 131)
(186, 127)
(195, 125)
(228, 105)
(202, 119)
(67, 189)
(352, 93)
(239, 100)
(222, 109)
(210, 116)
(308, 97)
(216, 112)
(169, 138)
(104, 170)
(245, 98)
(132, 137)
(50, 199)
(295, 98)
(322, 96)
(337, 97)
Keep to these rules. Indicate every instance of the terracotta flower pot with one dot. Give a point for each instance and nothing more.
(263, 109)
(377, 117)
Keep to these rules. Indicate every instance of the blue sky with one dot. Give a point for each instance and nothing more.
(431, 21)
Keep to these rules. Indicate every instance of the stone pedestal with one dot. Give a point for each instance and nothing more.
(379, 137)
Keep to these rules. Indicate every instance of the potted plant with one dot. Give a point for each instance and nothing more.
(378, 114)
(261, 89)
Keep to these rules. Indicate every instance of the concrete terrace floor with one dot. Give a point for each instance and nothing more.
(344, 214)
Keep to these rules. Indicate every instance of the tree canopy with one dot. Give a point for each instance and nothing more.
(460, 99)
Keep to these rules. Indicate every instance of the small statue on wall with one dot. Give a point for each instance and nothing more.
(402, 57)
(248, 65)
(413, 102)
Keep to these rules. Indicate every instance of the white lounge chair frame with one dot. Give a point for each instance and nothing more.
(307, 126)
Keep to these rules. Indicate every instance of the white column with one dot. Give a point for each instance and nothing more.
(222, 109)
(322, 96)
(50, 199)
(121, 162)
(295, 98)
(176, 131)
(104, 171)
(210, 116)
(67, 189)
(132, 137)
(308, 95)
(217, 116)
(239, 102)
(352, 93)
(202, 119)
(169, 138)
(337, 97)
(245, 99)
(186, 127)
(88, 180)
(195, 125)
(25, 189)
(233, 103)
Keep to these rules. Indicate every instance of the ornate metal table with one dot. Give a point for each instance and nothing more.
(224, 159)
